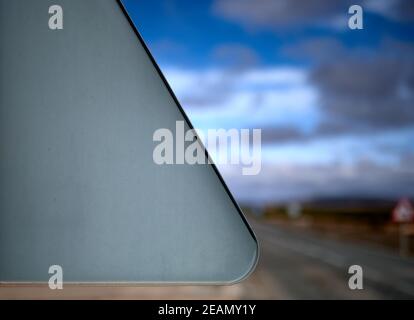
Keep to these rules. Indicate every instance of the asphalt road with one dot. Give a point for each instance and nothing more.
(293, 265)
(301, 265)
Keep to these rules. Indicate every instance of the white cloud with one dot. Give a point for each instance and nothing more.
(275, 76)
(253, 97)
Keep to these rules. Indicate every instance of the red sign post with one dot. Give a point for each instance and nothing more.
(403, 214)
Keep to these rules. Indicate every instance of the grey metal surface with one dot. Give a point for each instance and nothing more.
(78, 185)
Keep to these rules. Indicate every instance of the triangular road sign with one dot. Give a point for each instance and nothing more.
(403, 212)
(79, 103)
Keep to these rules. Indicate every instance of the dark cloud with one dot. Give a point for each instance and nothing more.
(368, 91)
(361, 91)
(273, 14)
(324, 49)
(281, 182)
(326, 129)
(283, 134)
(398, 10)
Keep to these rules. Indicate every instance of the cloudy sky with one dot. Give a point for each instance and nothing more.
(336, 106)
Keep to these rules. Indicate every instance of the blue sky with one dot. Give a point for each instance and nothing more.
(336, 106)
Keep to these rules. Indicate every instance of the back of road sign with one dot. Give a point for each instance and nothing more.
(78, 184)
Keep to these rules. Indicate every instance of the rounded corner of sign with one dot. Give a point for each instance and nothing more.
(251, 267)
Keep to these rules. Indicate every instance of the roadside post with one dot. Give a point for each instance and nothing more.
(403, 214)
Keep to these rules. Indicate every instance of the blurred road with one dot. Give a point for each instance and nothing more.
(292, 265)
(307, 266)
